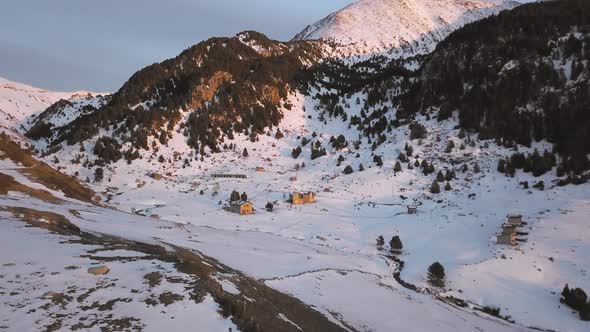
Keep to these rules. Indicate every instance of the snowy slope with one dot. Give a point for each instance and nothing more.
(375, 26)
(325, 254)
(19, 102)
(314, 251)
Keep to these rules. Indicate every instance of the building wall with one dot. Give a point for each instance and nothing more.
(297, 198)
(515, 220)
(506, 239)
(246, 208)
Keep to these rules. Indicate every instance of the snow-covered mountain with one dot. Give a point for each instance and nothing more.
(370, 138)
(384, 26)
(19, 102)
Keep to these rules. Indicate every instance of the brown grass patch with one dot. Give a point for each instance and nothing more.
(7, 183)
(42, 173)
(43, 219)
(55, 180)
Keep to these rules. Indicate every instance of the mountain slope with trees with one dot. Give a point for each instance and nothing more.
(521, 76)
(214, 89)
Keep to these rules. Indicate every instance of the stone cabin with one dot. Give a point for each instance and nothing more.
(302, 198)
(514, 219)
(241, 208)
(508, 235)
(412, 209)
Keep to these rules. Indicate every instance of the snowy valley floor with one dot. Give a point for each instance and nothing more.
(322, 254)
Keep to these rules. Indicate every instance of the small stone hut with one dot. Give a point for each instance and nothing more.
(241, 208)
(302, 198)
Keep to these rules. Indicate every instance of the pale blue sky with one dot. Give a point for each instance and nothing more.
(96, 45)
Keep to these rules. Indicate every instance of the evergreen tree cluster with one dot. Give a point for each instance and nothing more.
(339, 142)
(317, 150)
(225, 85)
(108, 150)
(493, 73)
(576, 299)
(534, 163)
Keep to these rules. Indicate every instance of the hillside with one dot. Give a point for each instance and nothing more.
(521, 76)
(19, 101)
(214, 89)
(491, 123)
(397, 28)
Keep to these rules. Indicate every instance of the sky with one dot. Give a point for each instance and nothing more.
(68, 45)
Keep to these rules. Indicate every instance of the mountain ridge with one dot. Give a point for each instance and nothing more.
(382, 26)
(376, 139)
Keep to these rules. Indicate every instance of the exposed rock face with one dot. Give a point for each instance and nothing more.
(208, 88)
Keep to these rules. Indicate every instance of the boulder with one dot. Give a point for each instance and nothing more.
(156, 176)
(99, 270)
(51, 295)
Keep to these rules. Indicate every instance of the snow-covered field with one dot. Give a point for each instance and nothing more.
(45, 286)
(323, 254)
(315, 251)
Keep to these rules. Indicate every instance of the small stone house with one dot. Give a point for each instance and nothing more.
(241, 208)
(508, 235)
(514, 219)
(412, 209)
(302, 198)
(507, 239)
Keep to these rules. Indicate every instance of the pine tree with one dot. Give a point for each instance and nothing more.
(409, 149)
(98, 174)
(396, 244)
(380, 242)
(440, 177)
(348, 170)
(502, 166)
(245, 153)
(402, 157)
(296, 152)
(397, 167)
(450, 146)
(449, 175)
(279, 134)
(448, 187)
(436, 274)
(234, 197)
(378, 160)
(476, 168)
(435, 188)
(244, 197)
(464, 168)
(361, 168)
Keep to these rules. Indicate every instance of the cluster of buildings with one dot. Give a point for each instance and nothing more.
(510, 230)
(247, 208)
